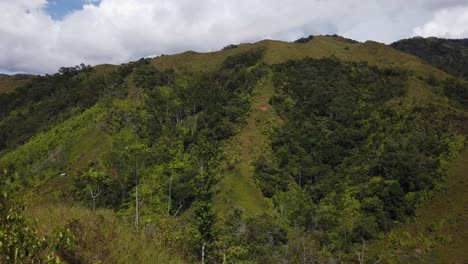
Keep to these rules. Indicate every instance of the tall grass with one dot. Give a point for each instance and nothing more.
(100, 236)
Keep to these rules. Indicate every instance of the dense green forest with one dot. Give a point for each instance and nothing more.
(450, 55)
(259, 153)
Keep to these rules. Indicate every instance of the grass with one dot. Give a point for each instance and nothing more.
(104, 68)
(319, 47)
(40, 147)
(439, 232)
(9, 83)
(418, 91)
(111, 241)
(452, 204)
(191, 61)
(101, 237)
(237, 188)
(87, 147)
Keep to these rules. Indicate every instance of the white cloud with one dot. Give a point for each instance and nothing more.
(116, 31)
(447, 23)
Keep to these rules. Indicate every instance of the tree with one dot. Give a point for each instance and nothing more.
(204, 154)
(96, 181)
(136, 155)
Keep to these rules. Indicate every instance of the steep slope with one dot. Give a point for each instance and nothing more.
(264, 152)
(449, 55)
(237, 187)
(319, 47)
(438, 233)
(452, 205)
(45, 101)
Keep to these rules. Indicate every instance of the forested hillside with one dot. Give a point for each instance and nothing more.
(450, 55)
(325, 150)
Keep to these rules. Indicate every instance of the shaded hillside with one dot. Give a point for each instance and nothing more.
(269, 152)
(8, 83)
(45, 101)
(438, 233)
(449, 55)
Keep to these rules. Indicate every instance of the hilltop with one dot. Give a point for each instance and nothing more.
(449, 55)
(8, 83)
(316, 151)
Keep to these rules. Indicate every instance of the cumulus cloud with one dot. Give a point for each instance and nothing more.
(116, 31)
(447, 23)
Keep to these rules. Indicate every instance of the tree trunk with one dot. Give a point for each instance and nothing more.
(94, 195)
(136, 207)
(361, 255)
(170, 195)
(203, 253)
(137, 213)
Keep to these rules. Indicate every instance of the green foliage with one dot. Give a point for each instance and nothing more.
(455, 90)
(296, 206)
(101, 236)
(19, 242)
(46, 101)
(352, 157)
(212, 104)
(257, 240)
(304, 40)
(169, 145)
(354, 147)
(424, 239)
(268, 177)
(148, 77)
(8, 83)
(450, 55)
(20, 239)
(340, 38)
(245, 59)
(230, 46)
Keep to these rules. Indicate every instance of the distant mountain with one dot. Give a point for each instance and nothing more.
(8, 83)
(325, 150)
(450, 55)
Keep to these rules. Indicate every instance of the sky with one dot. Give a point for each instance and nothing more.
(40, 36)
(58, 9)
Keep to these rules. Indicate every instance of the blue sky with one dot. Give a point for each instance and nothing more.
(57, 9)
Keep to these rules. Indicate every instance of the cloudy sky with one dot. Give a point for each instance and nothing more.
(39, 36)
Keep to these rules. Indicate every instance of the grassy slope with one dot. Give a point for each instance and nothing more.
(67, 148)
(191, 61)
(103, 238)
(70, 137)
(237, 187)
(451, 204)
(319, 47)
(9, 83)
(439, 232)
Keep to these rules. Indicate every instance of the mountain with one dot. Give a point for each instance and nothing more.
(318, 151)
(449, 55)
(8, 83)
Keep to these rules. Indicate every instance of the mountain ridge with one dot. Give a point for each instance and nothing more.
(221, 149)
